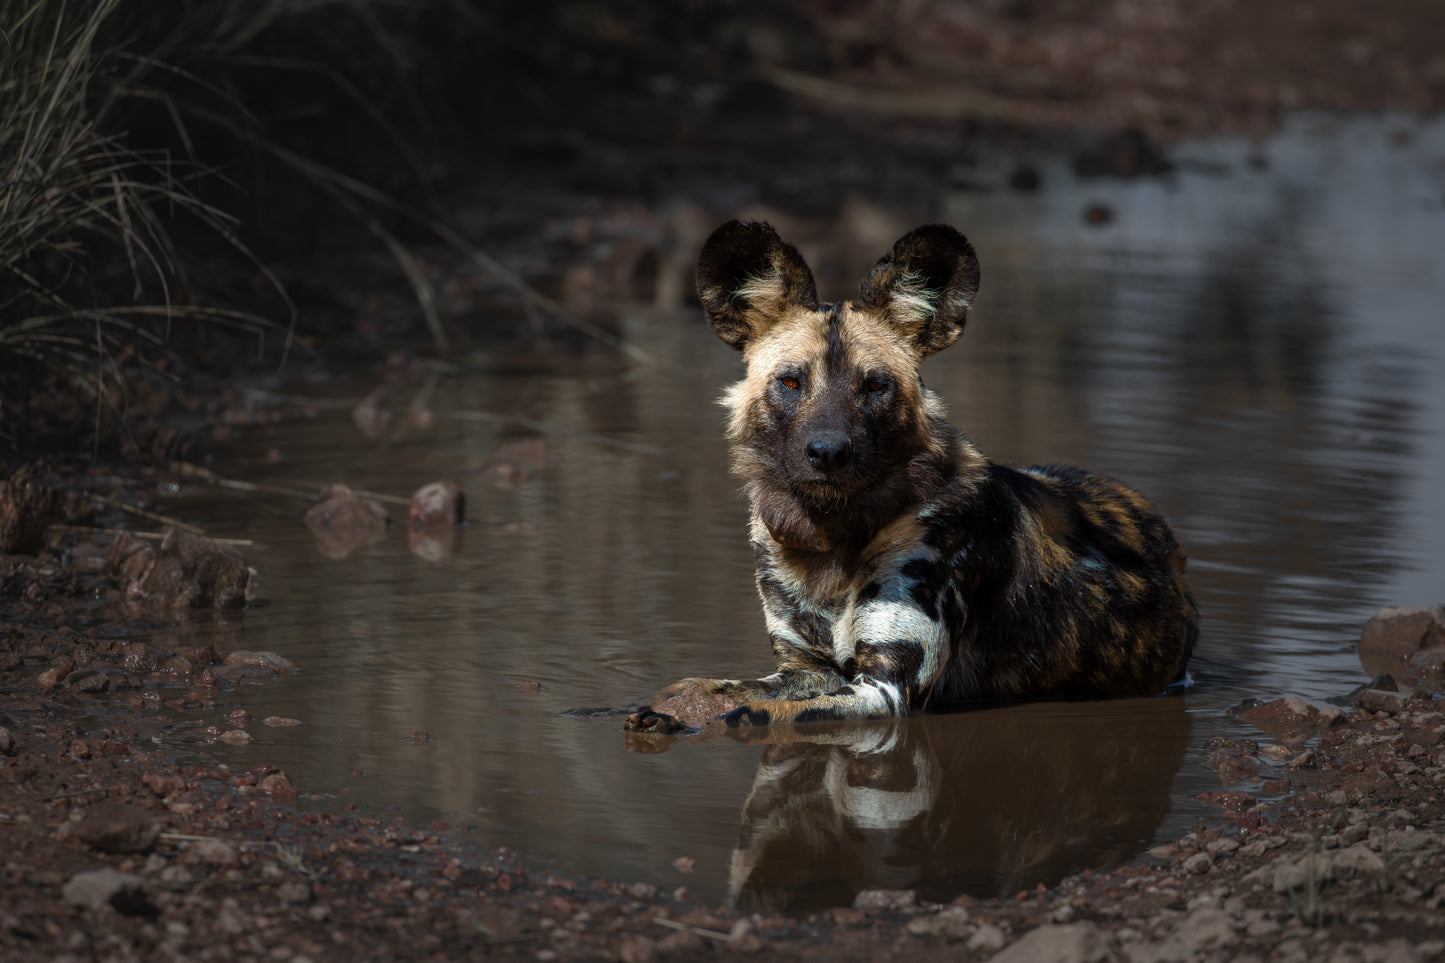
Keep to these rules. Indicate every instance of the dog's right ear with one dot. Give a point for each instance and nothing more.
(747, 276)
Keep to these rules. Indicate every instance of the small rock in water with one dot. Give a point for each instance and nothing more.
(1376, 700)
(279, 721)
(436, 511)
(342, 521)
(440, 502)
(1292, 717)
(234, 737)
(373, 415)
(260, 659)
(184, 571)
(1394, 634)
(1429, 666)
(278, 786)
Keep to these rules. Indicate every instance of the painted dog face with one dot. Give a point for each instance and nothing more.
(832, 412)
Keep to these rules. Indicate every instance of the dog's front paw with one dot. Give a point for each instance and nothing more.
(645, 719)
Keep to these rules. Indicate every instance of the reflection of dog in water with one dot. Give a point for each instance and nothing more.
(900, 569)
(984, 803)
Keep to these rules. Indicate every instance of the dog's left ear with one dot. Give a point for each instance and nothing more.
(925, 286)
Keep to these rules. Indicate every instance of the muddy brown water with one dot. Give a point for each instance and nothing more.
(1256, 343)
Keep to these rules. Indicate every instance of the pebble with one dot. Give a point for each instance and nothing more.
(1292, 717)
(986, 939)
(951, 922)
(1376, 700)
(885, 899)
(212, 852)
(94, 888)
(269, 661)
(114, 828)
(438, 503)
(1069, 943)
(7, 742)
(278, 785)
(744, 936)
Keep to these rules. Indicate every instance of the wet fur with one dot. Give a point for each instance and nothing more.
(909, 572)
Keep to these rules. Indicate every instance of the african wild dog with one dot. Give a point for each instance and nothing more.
(900, 569)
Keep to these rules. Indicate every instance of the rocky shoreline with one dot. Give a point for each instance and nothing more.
(1329, 845)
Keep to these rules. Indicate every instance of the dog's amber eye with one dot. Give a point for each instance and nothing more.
(790, 382)
(876, 384)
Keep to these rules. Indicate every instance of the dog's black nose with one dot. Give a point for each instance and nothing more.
(828, 450)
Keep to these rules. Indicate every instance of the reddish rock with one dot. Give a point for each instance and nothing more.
(212, 852)
(438, 503)
(342, 521)
(270, 661)
(1378, 700)
(1428, 666)
(1292, 717)
(1395, 634)
(278, 786)
(53, 676)
(183, 571)
(114, 828)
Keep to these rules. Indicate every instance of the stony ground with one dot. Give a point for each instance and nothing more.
(1329, 843)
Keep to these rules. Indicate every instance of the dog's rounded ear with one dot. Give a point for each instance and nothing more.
(925, 286)
(747, 276)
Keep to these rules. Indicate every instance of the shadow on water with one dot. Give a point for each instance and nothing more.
(1258, 351)
(986, 803)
